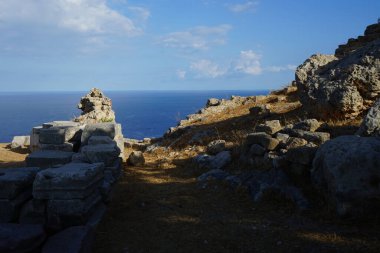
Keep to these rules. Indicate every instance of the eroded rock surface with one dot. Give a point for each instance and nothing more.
(96, 108)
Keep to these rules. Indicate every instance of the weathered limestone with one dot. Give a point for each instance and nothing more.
(216, 147)
(15, 190)
(96, 108)
(106, 153)
(346, 170)
(269, 127)
(213, 162)
(48, 158)
(20, 142)
(136, 158)
(263, 139)
(371, 123)
(112, 130)
(35, 138)
(71, 181)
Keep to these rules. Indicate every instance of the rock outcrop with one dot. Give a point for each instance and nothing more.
(96, 108)
(371, 122)
(344, 84)
(346, 170)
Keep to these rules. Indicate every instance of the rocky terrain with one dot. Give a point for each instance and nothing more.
(294, 171)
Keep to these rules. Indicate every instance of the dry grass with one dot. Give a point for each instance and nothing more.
(11, 159)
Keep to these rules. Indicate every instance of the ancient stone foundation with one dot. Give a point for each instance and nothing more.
(58, 199)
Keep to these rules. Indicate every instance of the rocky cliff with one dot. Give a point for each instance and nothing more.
(345, 84)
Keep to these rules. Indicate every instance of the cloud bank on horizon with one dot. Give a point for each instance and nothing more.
(163, 44)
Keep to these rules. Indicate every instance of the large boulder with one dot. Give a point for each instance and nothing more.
(347, 170)
(371, 123)
(339, 87)
(96, 108)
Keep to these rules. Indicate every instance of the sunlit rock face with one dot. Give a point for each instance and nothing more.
(96, 108)
(344, 84)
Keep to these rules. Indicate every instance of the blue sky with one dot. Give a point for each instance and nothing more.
(167, 44)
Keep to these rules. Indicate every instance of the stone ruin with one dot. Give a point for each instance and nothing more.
(95, 108)
(60, 197)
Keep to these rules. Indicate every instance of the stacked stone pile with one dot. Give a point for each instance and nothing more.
(291, 148)
(96, 107)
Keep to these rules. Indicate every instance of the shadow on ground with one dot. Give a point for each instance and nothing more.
(164, 210)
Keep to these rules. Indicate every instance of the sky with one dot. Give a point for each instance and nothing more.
(70, 45)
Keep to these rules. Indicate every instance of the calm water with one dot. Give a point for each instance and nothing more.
(142, 113)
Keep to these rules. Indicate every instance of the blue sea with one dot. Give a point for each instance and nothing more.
(141, 113)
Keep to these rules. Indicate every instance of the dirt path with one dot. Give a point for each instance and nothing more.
(163, 210)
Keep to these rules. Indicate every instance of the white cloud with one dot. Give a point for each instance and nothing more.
(181, 74)
(83, 16)
(206, 68)
(248, 63)
(281, 68)
(243, 7)
(200, 37)
(142, 13)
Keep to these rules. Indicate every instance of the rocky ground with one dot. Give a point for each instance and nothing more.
(294, 171)
(160, 207)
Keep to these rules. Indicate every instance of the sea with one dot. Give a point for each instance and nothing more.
(141, 113)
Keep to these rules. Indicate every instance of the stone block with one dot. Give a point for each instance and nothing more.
(95, 140)
(72, 212)
(15, 238)
(33, 212)
(35, 138)
(263, 139)
(78, 239)
(10, 208)
(52, 135)
(105, 153)
(111, 130)
(60, 134)
(269, 127)
(14, 181)
(20, 142)
(71, 181)
(67, 146)
(48, 158)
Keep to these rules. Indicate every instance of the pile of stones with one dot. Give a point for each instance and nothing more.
(291, 148)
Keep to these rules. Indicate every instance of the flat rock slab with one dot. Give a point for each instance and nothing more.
(77, 239)
(71, 181)
(20, 237)
(48, 158)
(14, 181)
(101, 129)
(60, 124)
